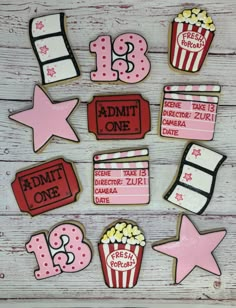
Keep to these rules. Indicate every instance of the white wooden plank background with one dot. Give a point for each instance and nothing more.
(18, 74)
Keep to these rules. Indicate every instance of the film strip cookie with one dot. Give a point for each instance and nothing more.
(192, 33)
(64, 249)
(45, 187)
(47, 119)
(51, 47)
(189, 111)
(119, 117)
(121, 251)
(122, 177)
(194, 185)
(123, 59)
(191, 249)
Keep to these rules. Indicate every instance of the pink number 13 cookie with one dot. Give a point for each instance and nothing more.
(62, 250)
(123, 60)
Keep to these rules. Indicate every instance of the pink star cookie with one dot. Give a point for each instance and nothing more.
(47, 119)
(192, 249)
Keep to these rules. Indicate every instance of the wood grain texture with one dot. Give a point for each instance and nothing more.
(19, 72)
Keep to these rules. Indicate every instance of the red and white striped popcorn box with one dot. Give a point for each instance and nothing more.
(121, 264)
(189, 46)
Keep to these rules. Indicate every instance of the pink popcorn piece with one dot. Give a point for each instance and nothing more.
(64, 249)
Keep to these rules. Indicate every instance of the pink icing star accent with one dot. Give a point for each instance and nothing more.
(47, 119)
(179, 197)
(44, 49)
(39, 25)
(51, 72)
(196, 153)
(192, 249)
(188, 177)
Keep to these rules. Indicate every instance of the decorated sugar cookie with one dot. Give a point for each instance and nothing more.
(188, 113)
(191, 249)
(45, 187)
(121, 250)
(47, 119)
(191, 36)
(123, 59)
(119, 117)
(195, 182)
(51, 47)
(64, 249)
(122, 177)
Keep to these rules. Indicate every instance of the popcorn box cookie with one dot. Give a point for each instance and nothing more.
(191, 36)
(121, 250)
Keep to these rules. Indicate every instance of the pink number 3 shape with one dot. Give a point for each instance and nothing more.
(126, 60)
(63, 251)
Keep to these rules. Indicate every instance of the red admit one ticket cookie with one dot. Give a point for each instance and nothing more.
(45, 187)
(119, 117)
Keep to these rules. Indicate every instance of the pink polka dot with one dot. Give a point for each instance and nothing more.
(137, 75)
(81, 262)
(142, 61)
(47, 272)
(73, 267)
(79, 248)
(83, 255)
(114, 74)
(55, 234)
(133, 56)
(73, 230)
(94, 75)
(120, 63)
(121, 40)
(131, 36)
(103, 47)
(168, 88)
(63, 229)
(94, 45)
(143, 68)
(59, 258)
(42, 256)
(37, 239)
(63, 266)
(30, 246)
(128, 77)
(121, 48)
(104, 74)
(77, 238)
(38, 275)
(45, 264)
(56, 270)
(103, 40)
(140, 41)
(40, 247)
(104, 65)
(55, 243)
(121, 73)
(141, 49)
(104, 57)
(71, 246)
(96, 157)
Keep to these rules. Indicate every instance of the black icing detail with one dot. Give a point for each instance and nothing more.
(212, 173)
(70, 55)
